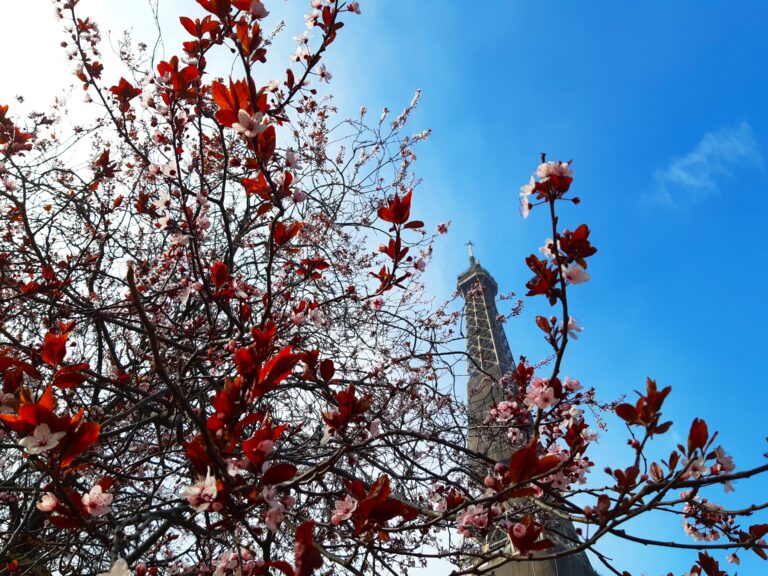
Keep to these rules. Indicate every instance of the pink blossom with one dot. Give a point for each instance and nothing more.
(273, 517)
(724, 460)
(325, 76)
(575, 274)
(317, 317)
(202, 493)
(574, 328)
(291, 160)
(236, 467)
(442, 228)
(504, 410)
(163, 200)
(311, 19)
(249, 126)
(299, 195)
(548, 248)
(41, 440)
(301, 53)
(519, 530)
(540, 394)
(525, 191)
(354, 7)
(343, 510)
(420, 265)
(572, 384)
(171, 170)
(515, 435)
(733, 559)
(374, 428)
(696, 468)
(48, 502)
(473, 517)
(97, 502)
(549, 169)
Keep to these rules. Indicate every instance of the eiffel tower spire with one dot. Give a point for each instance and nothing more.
(488, 358)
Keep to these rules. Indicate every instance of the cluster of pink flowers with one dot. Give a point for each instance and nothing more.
(241, 564)
(474, 517)
(547, 170)
(704, 520)
(505, 411)
(540, 394)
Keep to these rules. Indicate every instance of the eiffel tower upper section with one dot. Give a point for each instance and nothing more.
(487, 347)
(488, 358)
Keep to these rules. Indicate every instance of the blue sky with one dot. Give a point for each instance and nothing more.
(661, 106)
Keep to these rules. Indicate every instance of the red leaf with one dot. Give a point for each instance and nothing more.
(697, 437)
(231, 101)
(398, 211)
(265, 145)
(525, 464)
(284, 234)
(63, 522)
(219, 7)
(54, 349)
(327, 369)
(307, 556)
(70, 376)
(79, 441)
(276, 369)
(627, 412)
(124, 92)
(279, 473)
(757, 531)
(219, 273)
(710, 566)
(189, 26)
(258, 186)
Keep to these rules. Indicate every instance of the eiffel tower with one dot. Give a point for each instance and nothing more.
(488, 358)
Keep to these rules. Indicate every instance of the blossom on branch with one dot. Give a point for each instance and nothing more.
(42, 439)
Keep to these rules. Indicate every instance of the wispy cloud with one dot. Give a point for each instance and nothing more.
(699, 173)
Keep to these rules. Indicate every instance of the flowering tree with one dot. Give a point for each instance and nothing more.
(216, 357)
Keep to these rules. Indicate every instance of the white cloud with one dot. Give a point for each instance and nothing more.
(699, 173)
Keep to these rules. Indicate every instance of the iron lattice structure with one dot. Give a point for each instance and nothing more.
(489, 358)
